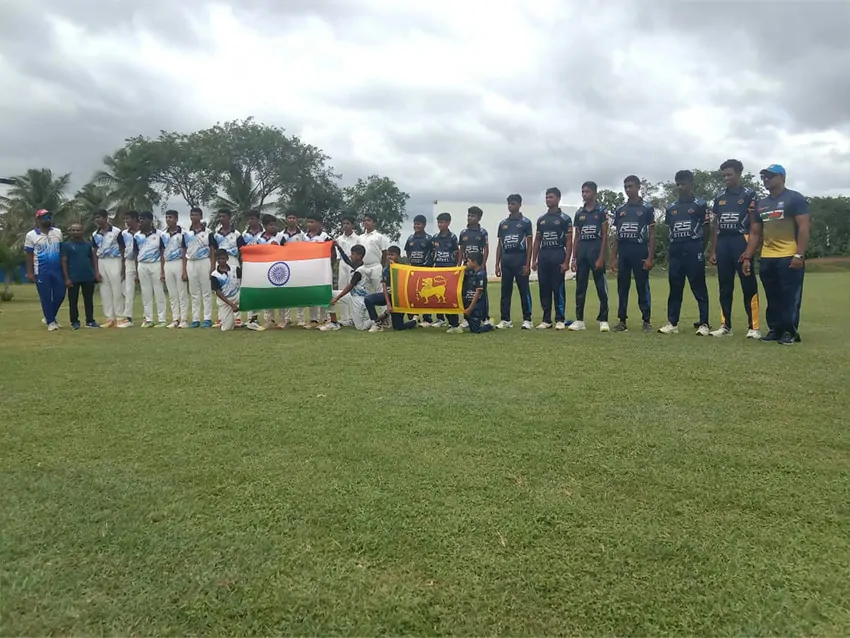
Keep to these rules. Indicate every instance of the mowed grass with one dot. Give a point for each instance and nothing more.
(294, 482)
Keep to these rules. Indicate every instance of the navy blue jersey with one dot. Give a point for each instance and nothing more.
(472, 281)
(732, 211)
(473, 239)
(514, 234)
(385, 277)
(632, 222)
(445, 249)
(553, 228)
(419, 249)
(589, 223)
(686, 220)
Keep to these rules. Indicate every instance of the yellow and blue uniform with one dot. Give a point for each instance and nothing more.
(687, 220)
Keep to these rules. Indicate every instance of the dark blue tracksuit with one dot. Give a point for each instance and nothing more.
(633, 222)
(514, 236)
(419, 249)
(589, 227)
(473, 281)
(686, 220)
(553, 229)
(732, 211)
(476, 238)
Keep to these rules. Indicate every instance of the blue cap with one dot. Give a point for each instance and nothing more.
(776, 169)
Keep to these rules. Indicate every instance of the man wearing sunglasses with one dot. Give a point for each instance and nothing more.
(781, 220)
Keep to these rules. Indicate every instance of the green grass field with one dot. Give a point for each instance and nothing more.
(294, 482)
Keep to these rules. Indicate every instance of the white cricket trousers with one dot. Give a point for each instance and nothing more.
(149, 274)
(233, 262)
(129, 288)
(199, 288)
(226, 315)
(178, 295)
(342, 281)
(111, 287)
(376, 271)
(356, 308)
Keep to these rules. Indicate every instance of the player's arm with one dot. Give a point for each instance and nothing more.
(387, 297)
(536, 250)
(93, 257)
(185, 259)
(755, 236)
(461, 250)
(801, 220)
(576, 240)
(486, 247)
(709, 236)
(715, 231)
(568, 246)
(355, 279)
(213, 247)
(123, 248)
(600, 262)
(478, 293)
(343, 256)
(650, 260)
(498, 257)
(64, 261)
(162, 262)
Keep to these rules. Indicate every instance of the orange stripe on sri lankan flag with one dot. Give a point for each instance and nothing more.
(416, 289)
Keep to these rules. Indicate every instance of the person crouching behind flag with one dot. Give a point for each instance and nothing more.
(474, 294)
(354, 294)
(384, 298)
(225, 282)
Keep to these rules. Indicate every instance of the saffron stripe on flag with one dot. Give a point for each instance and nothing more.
(295, 251)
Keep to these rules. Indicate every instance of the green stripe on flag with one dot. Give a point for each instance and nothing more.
(271, 298)
(395, 273)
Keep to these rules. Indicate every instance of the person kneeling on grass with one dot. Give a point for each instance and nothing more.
(225, 283)
(353, 295)
(78, 267)
(385, 298)
(474, 294)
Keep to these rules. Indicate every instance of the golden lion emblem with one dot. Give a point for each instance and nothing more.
(432, 287)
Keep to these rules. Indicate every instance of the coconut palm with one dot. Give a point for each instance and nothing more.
(127, 179)
(239, 194)
(89, 199)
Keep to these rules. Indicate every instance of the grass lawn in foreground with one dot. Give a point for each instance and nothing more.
(194, 482)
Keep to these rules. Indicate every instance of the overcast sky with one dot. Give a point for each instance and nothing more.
(458, 100)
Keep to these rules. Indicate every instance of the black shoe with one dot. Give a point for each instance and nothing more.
(787, 339)
(770, 336)
(797, 338)
(621, 327)
(647, 327)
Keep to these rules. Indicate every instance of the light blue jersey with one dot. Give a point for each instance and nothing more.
(172, 244)
(107, 243)
(149, 246)
(45, 249)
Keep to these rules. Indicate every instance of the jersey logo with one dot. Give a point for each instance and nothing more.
(675, 211)
(722, 202)
(690, 211)
(410, 243)
(432, 287)
(581, 218)
(279, 274)
(504, 226)
(640, 213)
(542, 222)
(622, 213)
(740, 201)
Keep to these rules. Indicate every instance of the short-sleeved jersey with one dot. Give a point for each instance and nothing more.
(78, 256)
(272, 238)
(129, 245)
(366, 283)
(445, 249)
(732, 209)
(514, 234)
(419, 248)
(148, 246)
(375, 244)
(553, 228)
(386, 278)
(197, 243)
(686, 220)
(295, 235)
(474, 239)
(589, 223)
(172, 244)
(109, 243)
(318, 237)
(226, 241)
(779, 228)
(347, 242)
(228, 282)
(250, 237)
(633, 221)
(45, 249)
(472, 281)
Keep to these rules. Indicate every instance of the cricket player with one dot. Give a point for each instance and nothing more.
(513, 262)
(376, 246)
(475, 237)
(553, 246)
(354, 294)
(591, 237)
(150, 270)
(108, 242)
(225, 282)
(227, 238)
(128, 267)
(419, 249)
(346, 242)
(316, 234)
(446, 249)
(175, 271)
(43, 250)
(253, 235)
(198, 260)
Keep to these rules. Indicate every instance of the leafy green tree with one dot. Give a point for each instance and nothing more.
(90, 198)
(128, 175)
(830, 226)
(381, 197)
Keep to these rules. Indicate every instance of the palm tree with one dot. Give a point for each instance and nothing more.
(239, 194)
(127, 179)
(90, 198)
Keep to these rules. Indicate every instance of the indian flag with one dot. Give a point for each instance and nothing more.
(296, 275)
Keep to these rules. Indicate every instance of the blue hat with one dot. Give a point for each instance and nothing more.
(776, 169)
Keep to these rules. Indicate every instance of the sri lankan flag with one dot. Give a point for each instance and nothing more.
(417, 289)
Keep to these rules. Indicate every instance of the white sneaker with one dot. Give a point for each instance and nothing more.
(464, 324)
(425, 324)
(438, 323)
(52, 326)
(544, 326)
(753, 334)
(329, 326)
(669, 329)
(185, 324)
(253, 325)
(173, 324)
(454, 331)
(577, 325)
(560, 325)
(702, 331)
(504, 324)
(375, 328)
(487, 322)
(604, 327)
(527, 325)
(722, 331)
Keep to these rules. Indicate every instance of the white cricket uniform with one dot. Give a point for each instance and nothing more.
(178, 294)
(297, 235)
(345, 243)
(228, 283)
(149, 254)
(198, 266)
(129, 273)
(354, 301)
(375, 244)
(229, 242)
(107, 245)
(317, 314)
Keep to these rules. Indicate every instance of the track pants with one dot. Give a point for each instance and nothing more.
(377, 299)
(178, 295)
(87, 288)
(586, 255)
(149, 279)
(512, 265)
(729, 250)
(200, 290)
(51, 293)
(111, 287)
(553, 289)
(686, 261)
(630, 262)
(783, 288)
(129, 289)
(476, 321)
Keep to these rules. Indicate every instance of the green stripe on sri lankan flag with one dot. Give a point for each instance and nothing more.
(296, 275)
